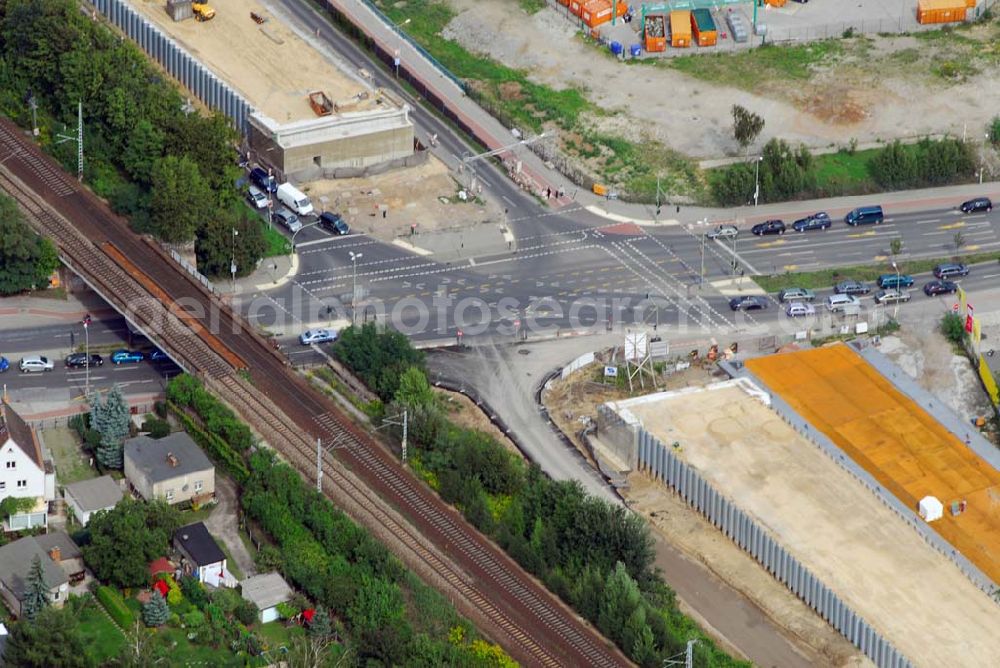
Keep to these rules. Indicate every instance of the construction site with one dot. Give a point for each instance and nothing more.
(874, 560)
(313, 116)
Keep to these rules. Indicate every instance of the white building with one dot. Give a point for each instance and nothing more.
(89, 496)
(202, 557)
(24, 472)
(267, 592)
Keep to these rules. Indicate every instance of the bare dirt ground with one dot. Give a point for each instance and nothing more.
(464, 413)
(838, 529)
(687, 531)
(925, 355)
(425, 196)
(254, 59)
(869, 92)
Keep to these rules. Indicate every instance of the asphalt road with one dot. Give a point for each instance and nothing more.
(67, 385)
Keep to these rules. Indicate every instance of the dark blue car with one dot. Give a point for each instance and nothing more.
(126, 357)
(4, 364)
(260, 178)
(158, 356)
(817, 221)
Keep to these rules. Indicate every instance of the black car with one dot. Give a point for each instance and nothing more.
(333, 222)
(817, 221)
(978, 204)
(935, 288)
(769, 227)
(79, 360)
(851, 287)
(748, 303)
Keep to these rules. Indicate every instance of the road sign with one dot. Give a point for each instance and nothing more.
(610, 372)
(954, 307)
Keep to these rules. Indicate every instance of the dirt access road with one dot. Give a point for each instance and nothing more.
(864, 89)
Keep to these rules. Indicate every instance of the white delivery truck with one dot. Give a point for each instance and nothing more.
(294, 199)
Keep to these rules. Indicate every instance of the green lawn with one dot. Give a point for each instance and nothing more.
(276, 635)
(825, 278)
(275, 242)
(72, 465)
(101, 638)
(843, 172)
(751, 69)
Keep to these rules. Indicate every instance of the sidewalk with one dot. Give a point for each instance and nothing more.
(22, 312)
(273, 272)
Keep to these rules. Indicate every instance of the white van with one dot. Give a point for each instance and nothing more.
(294, 199)
(846, 303)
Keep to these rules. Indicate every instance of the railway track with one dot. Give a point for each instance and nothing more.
(532, 624)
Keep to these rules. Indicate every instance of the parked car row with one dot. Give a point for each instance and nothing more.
(41, 363)
(293, 203)
(862, 215)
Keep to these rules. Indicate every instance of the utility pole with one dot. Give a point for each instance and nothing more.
(354, 289)
(232, 262)
(400, 420)
(33, 105)
(86, 335)
(78, 139)
(756, 176)
(689, 654)
(319, 457)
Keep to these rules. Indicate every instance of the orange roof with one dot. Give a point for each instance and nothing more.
(895, 440)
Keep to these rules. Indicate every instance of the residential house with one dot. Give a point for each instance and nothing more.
(59, 556)
(201, 556)
(171, 468)
(266, 591)
(89, 496)
(24, 472)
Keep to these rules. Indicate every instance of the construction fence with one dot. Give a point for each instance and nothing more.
(660, 462)
(212, 91)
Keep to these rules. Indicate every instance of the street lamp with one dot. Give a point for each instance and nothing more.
(295, 233)
(756, 180)
(232, 261)
(354, 289)
(399, 45)
(86, 336)
(895, 308)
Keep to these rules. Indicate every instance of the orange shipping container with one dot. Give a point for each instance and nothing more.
(941, 11)
(622, 7)
(656, 35)
(680, 28)
(575, 7)
(969, 4)
(703, 27)
(564, 3)
(596, 12)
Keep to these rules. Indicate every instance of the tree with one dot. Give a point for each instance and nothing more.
(156, 612)
(53, 640)
(140, 651)
(126, 538)
(26, 260)
(144, 148)
(36, 592)
(953, 327)
(180, 199)
(746, 126)
(217, 248)
(895, 246)
(320, 626)
(993, 130)
(959, 240)
(111, 420)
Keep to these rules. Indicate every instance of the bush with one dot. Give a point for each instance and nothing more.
(156, 427)
(379, 356)
(193, 619)
(115, 605)
(246, 612)
(953, 327)
(194, 591)
(994, 131)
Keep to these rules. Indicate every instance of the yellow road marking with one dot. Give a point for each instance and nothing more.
(863, 234)
(971, 248)
(791, 267)
(880, 258)
(770, 244)
(952, 226)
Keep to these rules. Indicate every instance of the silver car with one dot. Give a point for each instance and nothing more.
(800, 310)
(891, 295)
(36, 363)
(796, 295)
(723, 232)
(288, 219)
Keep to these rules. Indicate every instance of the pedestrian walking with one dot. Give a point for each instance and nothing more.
(548, 193)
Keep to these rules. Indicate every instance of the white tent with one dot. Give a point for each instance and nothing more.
(930, 509)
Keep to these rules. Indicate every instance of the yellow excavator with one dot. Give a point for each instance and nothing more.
(202, 11)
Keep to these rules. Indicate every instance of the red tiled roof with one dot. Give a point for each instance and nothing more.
(12, 426)
(161, 565)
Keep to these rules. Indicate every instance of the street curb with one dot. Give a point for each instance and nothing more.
(618, 218)
(293, 270)
(407, 246)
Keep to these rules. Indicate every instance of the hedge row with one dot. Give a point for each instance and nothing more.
(115, 605)
(187, 391)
